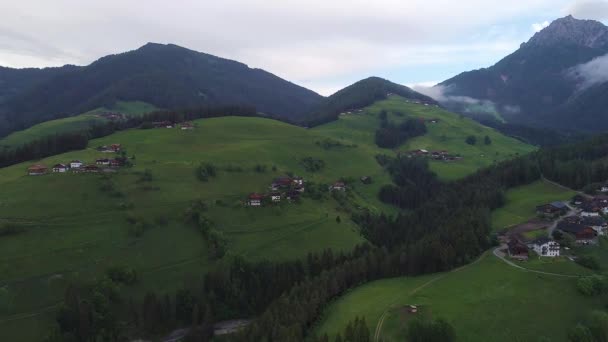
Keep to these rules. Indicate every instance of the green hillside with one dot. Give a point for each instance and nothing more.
(448, 134)
(76, 226)
(522, 201)
(485, 301)
(73, 124)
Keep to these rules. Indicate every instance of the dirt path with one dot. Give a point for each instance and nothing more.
(378, 330)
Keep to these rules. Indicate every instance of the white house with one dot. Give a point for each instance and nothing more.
(604, 188)
(255, 200)
(545, 247)
(276, 197)
(75, 164)
(589, 213)
(298, 181)
(60, 168)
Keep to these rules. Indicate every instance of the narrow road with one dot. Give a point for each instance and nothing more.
(501, 256)
(378, 330)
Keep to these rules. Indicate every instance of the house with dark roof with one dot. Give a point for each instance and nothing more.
(76, 164)
(517, 249)
(552, 210)
(281, 183)
(60, 168)
(102, 161)
(275, 197)
(255, 200)
(37, 170)
(545, 247)
(582, 233)
(337, 186)
(598, 223)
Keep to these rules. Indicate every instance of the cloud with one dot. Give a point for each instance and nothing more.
(591, 73)
(316, 41)
(539, 26)
(589, 9)
(465, 104)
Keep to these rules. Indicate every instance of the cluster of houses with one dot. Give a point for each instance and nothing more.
(168, 124)
(289, 188)
(584, 224)
(435, 155)
(77, 166)
(112, 116)
(543, 246)
(417, 102)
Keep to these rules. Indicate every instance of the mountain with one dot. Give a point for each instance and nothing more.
(167, 76)
(536, 85)
(358, 95)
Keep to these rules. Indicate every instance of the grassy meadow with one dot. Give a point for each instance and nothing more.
(73, 124)
(448, 134)
(75, 229)
(522, 201)
(485, 301)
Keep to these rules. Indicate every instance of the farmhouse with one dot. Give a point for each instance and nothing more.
(298, 180)
(281, 183)
(598, 223)
(590, 209)
(115, 163)
(91, 168)
(255, 200)
(583, 234)
(604, 188)
(275, 196)
(338, 186)
(552, 210)
(187, 126)
(37, 170)
(103, 161)
(75, 164)
(60, 168)
(545, 247)
(517, 249)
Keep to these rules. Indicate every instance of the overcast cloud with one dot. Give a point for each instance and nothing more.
(321, 44)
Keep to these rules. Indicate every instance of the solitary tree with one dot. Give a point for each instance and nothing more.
(471, 140)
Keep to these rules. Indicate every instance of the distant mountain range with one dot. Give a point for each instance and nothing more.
(558, 79)
(167, 76)
(172, 77)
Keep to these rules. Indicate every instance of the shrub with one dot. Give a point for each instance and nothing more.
(205, 171)
(471, 140)
(419, 330)
(122, 274)
(260, 168)
(588, 262)
(8, 228)
(311, 164)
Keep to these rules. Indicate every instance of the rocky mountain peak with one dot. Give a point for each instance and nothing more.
(569, 30)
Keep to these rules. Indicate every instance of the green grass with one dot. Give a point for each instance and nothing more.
(72, 124)
(521, 203)
(486, 301)
(559, 265)
(75, 231)
(449, 134)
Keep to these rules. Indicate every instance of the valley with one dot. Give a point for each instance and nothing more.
(75, 230)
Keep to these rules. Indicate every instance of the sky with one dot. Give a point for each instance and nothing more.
(323, 45)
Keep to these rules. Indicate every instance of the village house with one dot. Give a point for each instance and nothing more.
(255, 200)
(37, 170)
(582, 233)
(91, 168)
(546, 247)
(337, 186)
(60, 168)
(604, 188)
(590, 209)
(186, 126)
(552, 210)
(115, 163)
(517, 249)
(75, 164)
(298, 180)
(275, 197)
(103, 161)
(578, 199)
(598, 223)
(281, 183)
